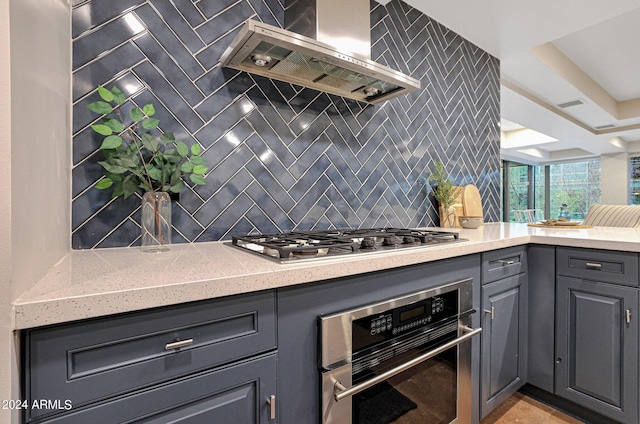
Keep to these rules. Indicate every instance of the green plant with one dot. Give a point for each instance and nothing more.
(445, 193)
(136, 159)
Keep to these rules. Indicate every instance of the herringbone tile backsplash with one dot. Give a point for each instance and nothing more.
(281, 157)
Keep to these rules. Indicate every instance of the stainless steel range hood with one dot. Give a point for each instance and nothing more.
(327, 48)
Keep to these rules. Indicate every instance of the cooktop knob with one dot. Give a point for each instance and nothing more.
(408, 240)
(368, 243)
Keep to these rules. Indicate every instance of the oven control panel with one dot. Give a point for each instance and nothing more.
(411, 317)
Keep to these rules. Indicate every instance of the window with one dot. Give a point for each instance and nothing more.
(576, 185)
(570, 187)
(635, 180)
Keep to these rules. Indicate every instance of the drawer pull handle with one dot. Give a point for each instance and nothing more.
(272, 407)
(593, 265)
(503, 262)
(492, 312)
(178, 344)
(628, 316)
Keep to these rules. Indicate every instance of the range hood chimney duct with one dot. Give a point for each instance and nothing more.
(326, 46)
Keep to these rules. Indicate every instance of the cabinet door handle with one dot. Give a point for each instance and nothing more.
(271, 400)
(593, 265)
(505, 262)
(490, 311)
(627, 314)
(178, 343)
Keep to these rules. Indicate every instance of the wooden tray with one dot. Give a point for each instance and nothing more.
(559, 226)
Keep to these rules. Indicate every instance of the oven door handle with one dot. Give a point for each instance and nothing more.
(341, 392)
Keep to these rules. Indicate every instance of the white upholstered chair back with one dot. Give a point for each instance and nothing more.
(613, 216)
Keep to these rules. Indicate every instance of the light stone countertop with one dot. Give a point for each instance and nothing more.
(92, 283)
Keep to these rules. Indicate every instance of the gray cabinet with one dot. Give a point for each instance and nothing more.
(300, 306)
(541, 280)
(191, 360)
(238, 394)
(504, 331)
(597, 347)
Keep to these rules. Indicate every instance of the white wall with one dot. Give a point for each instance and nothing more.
(5, 212)
(41, 137)
(615, 179)
(35, 87)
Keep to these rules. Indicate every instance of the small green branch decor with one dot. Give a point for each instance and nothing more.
(136, 159)
(446, 194)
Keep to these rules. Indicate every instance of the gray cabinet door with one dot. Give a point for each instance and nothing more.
(597, 347)
(504, 335)
(237, 394)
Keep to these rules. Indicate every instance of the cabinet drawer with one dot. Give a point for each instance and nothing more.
(598, 265)
(499, 264)
(90, 360)
(237, 394)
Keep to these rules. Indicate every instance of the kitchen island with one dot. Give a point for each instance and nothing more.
(95, 325)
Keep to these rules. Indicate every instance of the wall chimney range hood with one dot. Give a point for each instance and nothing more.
(326, 46)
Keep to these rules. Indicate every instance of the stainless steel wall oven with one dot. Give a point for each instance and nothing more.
(406, 360)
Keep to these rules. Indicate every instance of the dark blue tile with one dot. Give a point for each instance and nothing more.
(310, 131)
(223, 195)
(270, 160)
(169, 41)
(309, 198)
(228, 118)
(210, 56)
(269, 11)
(105, 38)
(262, 222)
(232, 141)
(92, 232)
(311, 153)
(184, 222)
(190, 12)
(171, 71)
(167, 94)
(225, 21)
(210, 8)
(271, 138)
(270, 183)
(227, 219)
(219, 100)
(125, 234)
(221, 173)
(243, 226)
(102, 71)
(170, 13)
(95, 13)
(213, 79)
(86, 174)
(168, 122)
(85, 144)
(267, 96)
(88, 204)
(268, 205)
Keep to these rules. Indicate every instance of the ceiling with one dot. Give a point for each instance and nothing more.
(553, 52)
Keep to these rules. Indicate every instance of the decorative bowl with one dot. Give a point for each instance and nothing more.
(470, 221)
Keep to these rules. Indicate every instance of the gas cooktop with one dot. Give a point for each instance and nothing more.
(328, 243)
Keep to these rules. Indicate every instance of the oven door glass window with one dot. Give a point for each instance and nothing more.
(423, 394)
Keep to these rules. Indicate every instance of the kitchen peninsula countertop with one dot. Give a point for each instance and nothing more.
(92, 283)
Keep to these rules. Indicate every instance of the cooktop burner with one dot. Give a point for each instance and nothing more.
(314, 244)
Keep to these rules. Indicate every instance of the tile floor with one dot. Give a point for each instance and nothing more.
(523, 409)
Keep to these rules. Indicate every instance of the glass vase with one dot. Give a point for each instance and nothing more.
(156, 222)
(448, 218)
